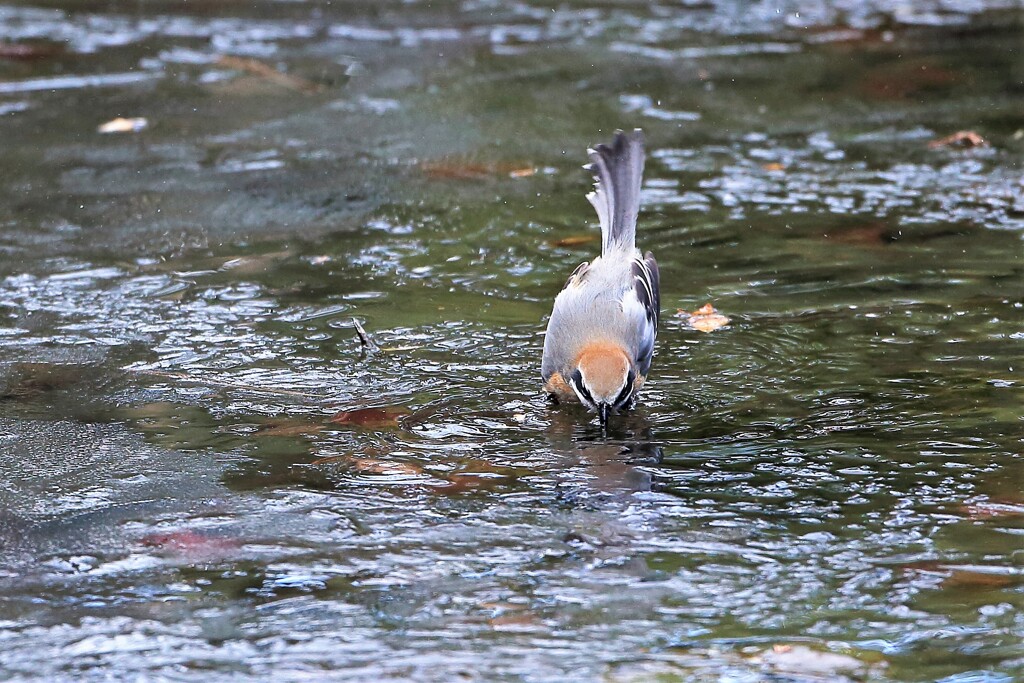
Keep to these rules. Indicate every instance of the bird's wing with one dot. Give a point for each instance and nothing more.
(645, 306)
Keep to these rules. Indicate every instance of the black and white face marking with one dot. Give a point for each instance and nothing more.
(622, 399)
(577, 384)
(625, 396)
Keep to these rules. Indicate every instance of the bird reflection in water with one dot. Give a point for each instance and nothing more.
(611, 460)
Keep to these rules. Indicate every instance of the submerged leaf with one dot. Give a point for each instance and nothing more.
(370, 418)
(574, 240)
(862, 234)
(29, 51)
(979, 580)
(991, 509)
(704, 319)
(962, 138)
(373, 466)
(269, 73)
(290, 428)
(124, 125)
(460, 168)
(191, 543)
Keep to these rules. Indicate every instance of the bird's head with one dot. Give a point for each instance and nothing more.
(603, 379)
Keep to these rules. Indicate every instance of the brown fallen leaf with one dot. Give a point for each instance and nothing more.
(123, 125)
(867, 235)
(574, 240)
(704, 319)
(968, 579)
(370, 418)
(961, 138)
(269, 73)
(290, 428)
(465, 482)
(773, 166)
(458, 168)
(375, 466)
(455, 169)
(958, 576)
(371, 465)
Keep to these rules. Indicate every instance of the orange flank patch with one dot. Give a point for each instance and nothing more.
(604, 364)
(557, 385)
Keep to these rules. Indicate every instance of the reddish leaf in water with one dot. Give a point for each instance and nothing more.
(957, 576)
(964, 578)
(464, 482)
(29, 51)
(290, 428)
(962, 138)
(773, 166)
(370, 418)
(269, 73)
(192, 543)
(991, 509)
(456, 168)
(869, 235)
(574, 240)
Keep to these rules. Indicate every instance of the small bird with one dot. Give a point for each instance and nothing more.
(600, 337)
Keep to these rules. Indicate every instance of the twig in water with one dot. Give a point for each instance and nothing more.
(369, 346)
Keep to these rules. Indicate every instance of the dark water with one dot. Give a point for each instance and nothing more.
(830, 488)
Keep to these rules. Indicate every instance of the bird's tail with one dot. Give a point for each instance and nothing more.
(619, 170)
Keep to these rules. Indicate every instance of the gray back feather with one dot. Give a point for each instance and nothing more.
(619, 171)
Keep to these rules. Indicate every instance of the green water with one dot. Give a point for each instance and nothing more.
(829, 488)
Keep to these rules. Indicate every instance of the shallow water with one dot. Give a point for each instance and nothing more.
(829, 488)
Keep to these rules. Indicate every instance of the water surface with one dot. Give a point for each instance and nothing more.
(829, 488)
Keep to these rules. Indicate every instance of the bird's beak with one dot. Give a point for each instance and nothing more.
(602, 413)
